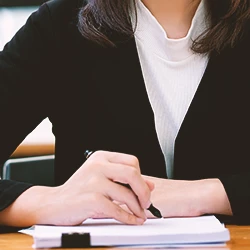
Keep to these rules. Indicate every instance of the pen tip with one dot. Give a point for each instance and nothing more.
(155, 211)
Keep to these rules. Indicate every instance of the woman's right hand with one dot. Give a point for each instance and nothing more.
(89, 193)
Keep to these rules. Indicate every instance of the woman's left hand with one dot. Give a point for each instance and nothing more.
(178, 198)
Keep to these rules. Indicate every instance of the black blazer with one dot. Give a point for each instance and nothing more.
(96, 99)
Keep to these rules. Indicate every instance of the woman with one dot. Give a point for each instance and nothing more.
(162, 81)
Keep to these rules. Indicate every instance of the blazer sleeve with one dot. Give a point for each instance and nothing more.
(237, 187)
(9, 191)
(25, 69)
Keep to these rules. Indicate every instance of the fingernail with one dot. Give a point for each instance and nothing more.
(139, 221)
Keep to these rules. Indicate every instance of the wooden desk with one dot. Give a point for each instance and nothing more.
(25, 150)
(240, 240)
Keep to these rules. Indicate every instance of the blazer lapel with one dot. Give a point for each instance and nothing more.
(120, 79)
(194, 146)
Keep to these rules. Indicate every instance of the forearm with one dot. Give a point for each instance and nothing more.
(213, 197)
(182, 198)
(27, 209)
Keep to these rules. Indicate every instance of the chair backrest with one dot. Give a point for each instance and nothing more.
(36, 170)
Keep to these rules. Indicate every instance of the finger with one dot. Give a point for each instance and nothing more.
(121, 215)
(125, 159)
(108, 209)
(118, 202)
(150, 184)
(129, 175)
(119, 158)
(149, 215)
(124, 207)
(126, 196)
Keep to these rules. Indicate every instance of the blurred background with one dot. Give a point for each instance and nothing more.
(13, 15)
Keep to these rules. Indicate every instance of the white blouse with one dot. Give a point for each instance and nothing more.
(172, 73)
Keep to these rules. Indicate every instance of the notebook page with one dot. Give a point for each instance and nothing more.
(172, 230)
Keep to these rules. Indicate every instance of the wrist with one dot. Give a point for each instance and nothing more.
(28, 208)
(47, 199)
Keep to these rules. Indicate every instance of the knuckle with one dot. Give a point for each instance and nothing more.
(96, 154)
(132, 173)
(130, 218)
(124, 216)
(94, 162)
(118, 212)
(134, 161)
(100, 152)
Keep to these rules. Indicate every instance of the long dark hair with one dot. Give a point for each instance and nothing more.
(98, 20)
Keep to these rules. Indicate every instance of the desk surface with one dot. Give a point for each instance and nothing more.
(25, 150)
(240, 240)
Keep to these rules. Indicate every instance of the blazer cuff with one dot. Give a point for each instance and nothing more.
(237, 188)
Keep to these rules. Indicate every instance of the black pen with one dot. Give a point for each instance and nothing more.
(156, 212)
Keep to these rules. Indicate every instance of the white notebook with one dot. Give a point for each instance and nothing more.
(205, 230)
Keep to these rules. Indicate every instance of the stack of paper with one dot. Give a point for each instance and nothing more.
(205, 230)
